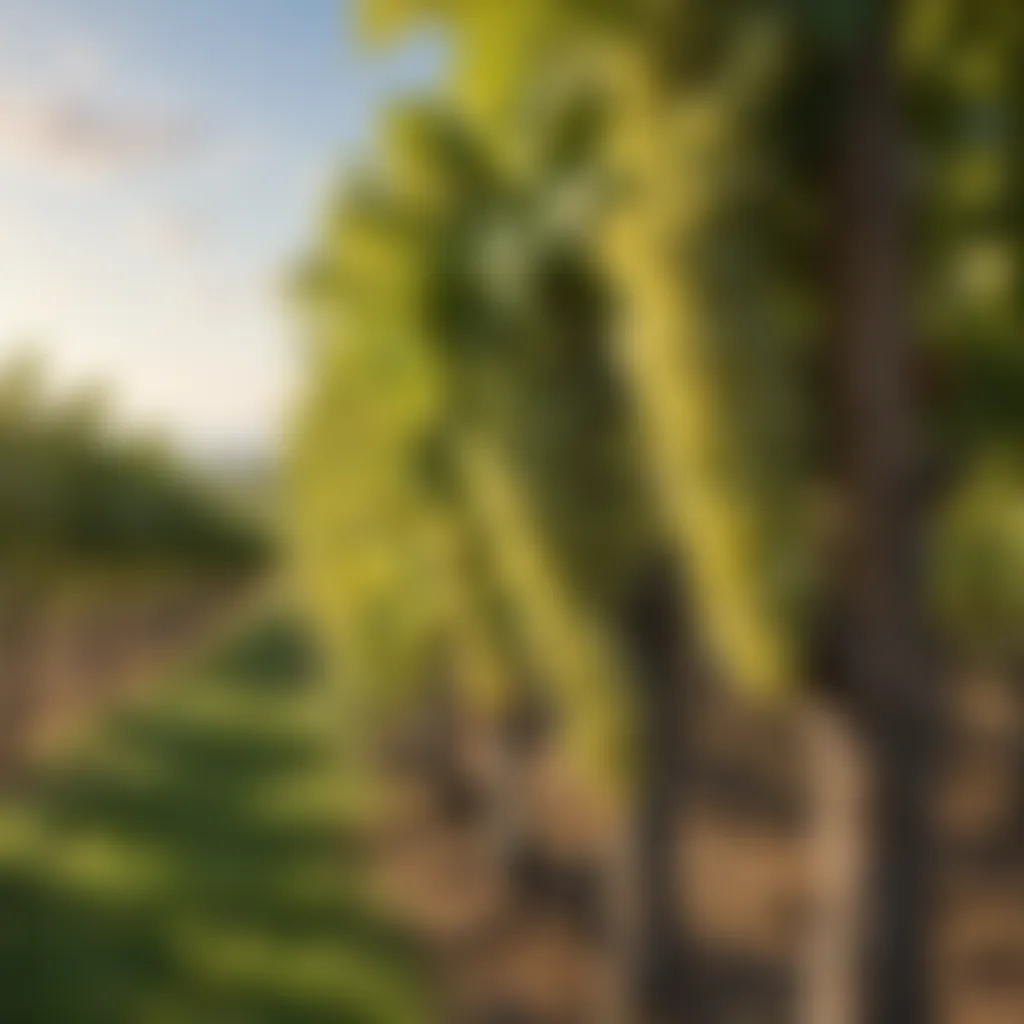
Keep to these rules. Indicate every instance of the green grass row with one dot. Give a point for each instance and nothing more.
(193, 863)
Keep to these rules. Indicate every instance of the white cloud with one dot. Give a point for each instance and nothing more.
(79, 136)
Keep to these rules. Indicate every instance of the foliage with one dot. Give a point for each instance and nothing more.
(572, 323)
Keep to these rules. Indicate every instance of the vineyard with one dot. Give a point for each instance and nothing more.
(629, 629)
(113, 561)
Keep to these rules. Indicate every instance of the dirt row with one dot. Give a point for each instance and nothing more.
(64, 661)
(499, 852)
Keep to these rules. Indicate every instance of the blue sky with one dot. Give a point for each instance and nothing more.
(161, 163)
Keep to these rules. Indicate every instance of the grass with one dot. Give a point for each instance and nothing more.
(192, 863)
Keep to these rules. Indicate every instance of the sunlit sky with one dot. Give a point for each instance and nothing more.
(161, 165)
